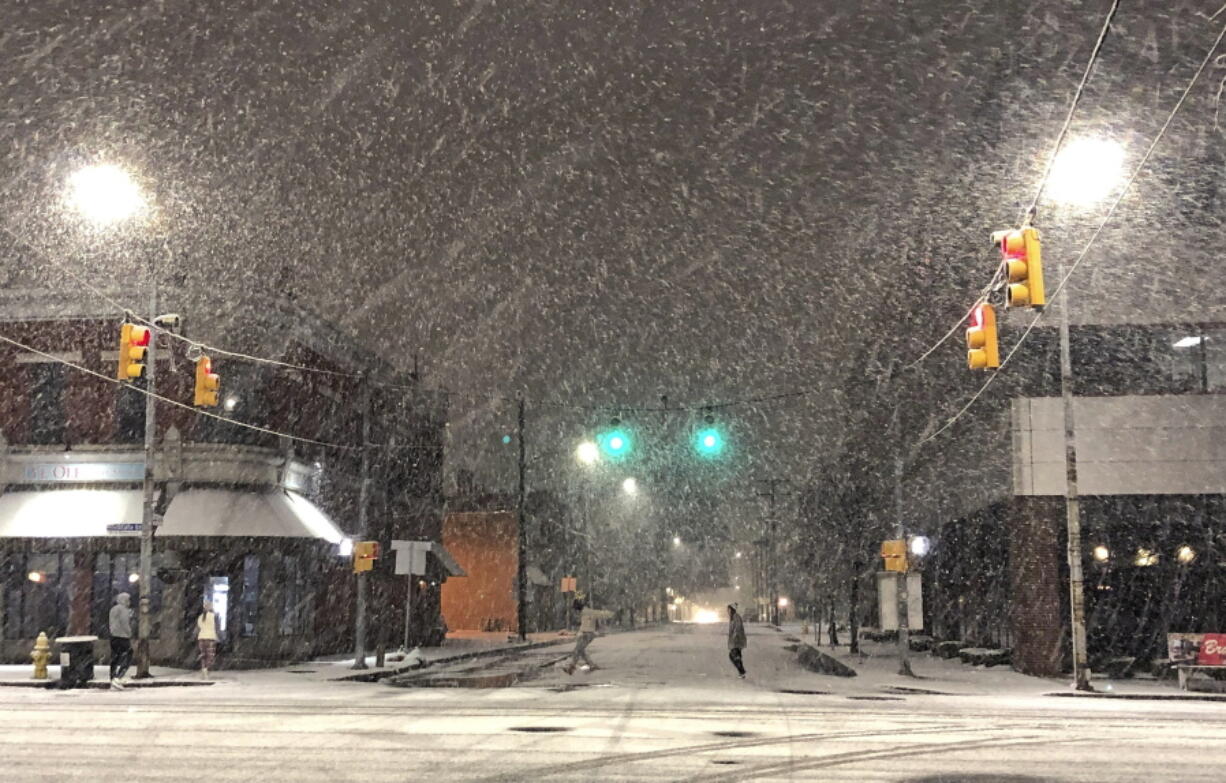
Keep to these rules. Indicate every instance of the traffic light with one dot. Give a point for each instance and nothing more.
(365, 553)
(133, 344)
(894, 552)
(207, 383)
(982, 348)
(1023, 260)
(709, 439)
(616, 442)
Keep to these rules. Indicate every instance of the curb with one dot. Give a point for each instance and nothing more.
(99, 685)
(1138, 696)
(386, 673)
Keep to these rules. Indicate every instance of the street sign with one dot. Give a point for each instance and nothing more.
(121, 528)
(887, 600)
(411, 557)
(569, 584)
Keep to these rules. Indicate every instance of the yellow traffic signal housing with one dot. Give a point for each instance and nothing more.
(894, 552)
(982, 347)
(207, 383)
(133, 344)
(365, 553)
(1023, 260)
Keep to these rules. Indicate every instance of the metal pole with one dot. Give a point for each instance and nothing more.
(904, 632)
(1081, 670)
(521, 567)
(144, 626)
(408, 608)
(359, 623)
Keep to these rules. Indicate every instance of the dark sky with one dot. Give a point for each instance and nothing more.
(592, 203)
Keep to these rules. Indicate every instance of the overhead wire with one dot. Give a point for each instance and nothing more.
(1090, 243)
(986, 292)
(984, 295)
(1072, 109)
(173, 402)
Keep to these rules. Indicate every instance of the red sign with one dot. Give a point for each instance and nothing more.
(1212, 650)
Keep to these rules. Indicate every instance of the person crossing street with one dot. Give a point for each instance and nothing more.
(587, 632)
(736, 640)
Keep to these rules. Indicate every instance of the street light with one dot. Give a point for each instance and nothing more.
(104, 194)
(676, 540)
(588, 453)
(1086, 171)
(630, 486)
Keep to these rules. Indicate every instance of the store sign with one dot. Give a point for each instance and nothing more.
(1200, 649)
(82, 472)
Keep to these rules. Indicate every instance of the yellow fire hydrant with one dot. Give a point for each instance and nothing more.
(41, 654)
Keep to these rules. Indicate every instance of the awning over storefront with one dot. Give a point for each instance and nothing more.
(218, 512)
(68, 513)
(86, 513)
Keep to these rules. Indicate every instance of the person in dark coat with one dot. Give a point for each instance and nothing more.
(736, 640)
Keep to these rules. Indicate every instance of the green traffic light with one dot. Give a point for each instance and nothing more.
(709, 442)
(615, 443)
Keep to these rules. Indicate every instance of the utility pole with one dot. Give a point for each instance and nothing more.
(521, 567)
(1072, 503)
(772, 589)
(363, 584)
(144, 622)
(904, 634)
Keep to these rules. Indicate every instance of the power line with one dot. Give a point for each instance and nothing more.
(1094, 237)
(1068, 119)
(175, 403)
(986, 293)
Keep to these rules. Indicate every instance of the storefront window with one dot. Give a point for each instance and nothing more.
(116, 573)
(296, 615)
(35, 595)
(250, 603)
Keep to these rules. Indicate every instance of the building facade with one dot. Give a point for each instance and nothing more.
(253, 522)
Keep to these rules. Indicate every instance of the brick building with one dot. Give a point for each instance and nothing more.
(253, 521)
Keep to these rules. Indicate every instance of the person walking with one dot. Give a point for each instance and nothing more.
(736, 640)
(120, 622)
(587, 632)
(206, 638)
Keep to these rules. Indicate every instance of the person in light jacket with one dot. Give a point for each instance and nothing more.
(587, 632)
(736, 640)
(120, 622)
(206, 637)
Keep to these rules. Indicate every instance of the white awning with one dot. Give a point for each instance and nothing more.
(219, 512)
(86, 513)
(67, 513)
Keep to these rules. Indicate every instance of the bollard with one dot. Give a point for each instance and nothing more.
(41, 655)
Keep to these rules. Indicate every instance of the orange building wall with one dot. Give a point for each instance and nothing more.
(484, 544)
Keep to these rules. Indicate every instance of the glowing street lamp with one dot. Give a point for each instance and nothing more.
(1086, 171)
(630, 486)
(104, 194)
(588, 453)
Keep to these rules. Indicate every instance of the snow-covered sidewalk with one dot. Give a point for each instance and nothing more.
(458, 646)
(877, 670)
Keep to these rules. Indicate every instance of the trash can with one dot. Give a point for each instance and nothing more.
(76, 660)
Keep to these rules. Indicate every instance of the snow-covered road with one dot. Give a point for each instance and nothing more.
(666, 706)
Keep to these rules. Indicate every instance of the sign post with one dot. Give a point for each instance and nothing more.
(410, 561)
